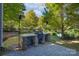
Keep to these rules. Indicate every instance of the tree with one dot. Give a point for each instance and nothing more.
(40, 22)
(30, 21)
(53, 15)
(73, 13)
(11, 14)
(62, 16)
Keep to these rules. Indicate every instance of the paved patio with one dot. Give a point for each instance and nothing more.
(46, 49)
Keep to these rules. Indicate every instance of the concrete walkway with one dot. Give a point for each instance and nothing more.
(46, 49)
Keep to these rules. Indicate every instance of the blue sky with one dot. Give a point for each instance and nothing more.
(37, 7)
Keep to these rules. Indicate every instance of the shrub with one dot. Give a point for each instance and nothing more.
(55, 34)
(68, 37)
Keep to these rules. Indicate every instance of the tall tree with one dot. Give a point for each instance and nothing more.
(40, 22)
(30, 20)
(11, 14)
(53, 15)
(62, 16)
(72, 11)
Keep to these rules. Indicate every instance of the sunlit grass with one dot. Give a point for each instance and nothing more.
(70, 44)
(10, 41)
(73, 44)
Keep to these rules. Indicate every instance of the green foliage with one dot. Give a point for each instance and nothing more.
(52, 15)
(30, 21)
(62, 17)
(40, 21)
(72, 11)
(11, 15)
(56, 17)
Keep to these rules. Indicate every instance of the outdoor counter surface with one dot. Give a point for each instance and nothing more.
(30, 34)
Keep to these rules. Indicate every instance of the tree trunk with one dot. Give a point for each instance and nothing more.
(62, 29)
(62, 21)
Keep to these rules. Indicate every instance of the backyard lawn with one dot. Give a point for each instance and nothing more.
(73, 44)
(10, 42)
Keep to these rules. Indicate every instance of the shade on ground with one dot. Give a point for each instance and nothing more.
(47, 49)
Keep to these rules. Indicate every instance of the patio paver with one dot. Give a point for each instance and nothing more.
(47, 49)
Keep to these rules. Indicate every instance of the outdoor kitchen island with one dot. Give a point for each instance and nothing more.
(32, 39)
(29, 40)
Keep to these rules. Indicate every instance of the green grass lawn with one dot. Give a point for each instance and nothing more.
(10, 42)
(71, 45)
(54, 39)
(66, 43)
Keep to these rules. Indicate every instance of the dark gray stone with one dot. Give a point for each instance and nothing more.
(29, 40)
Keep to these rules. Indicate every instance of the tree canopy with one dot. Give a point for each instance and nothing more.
(30, 21)
(61, 17)
(11, 15)
(58, 17)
